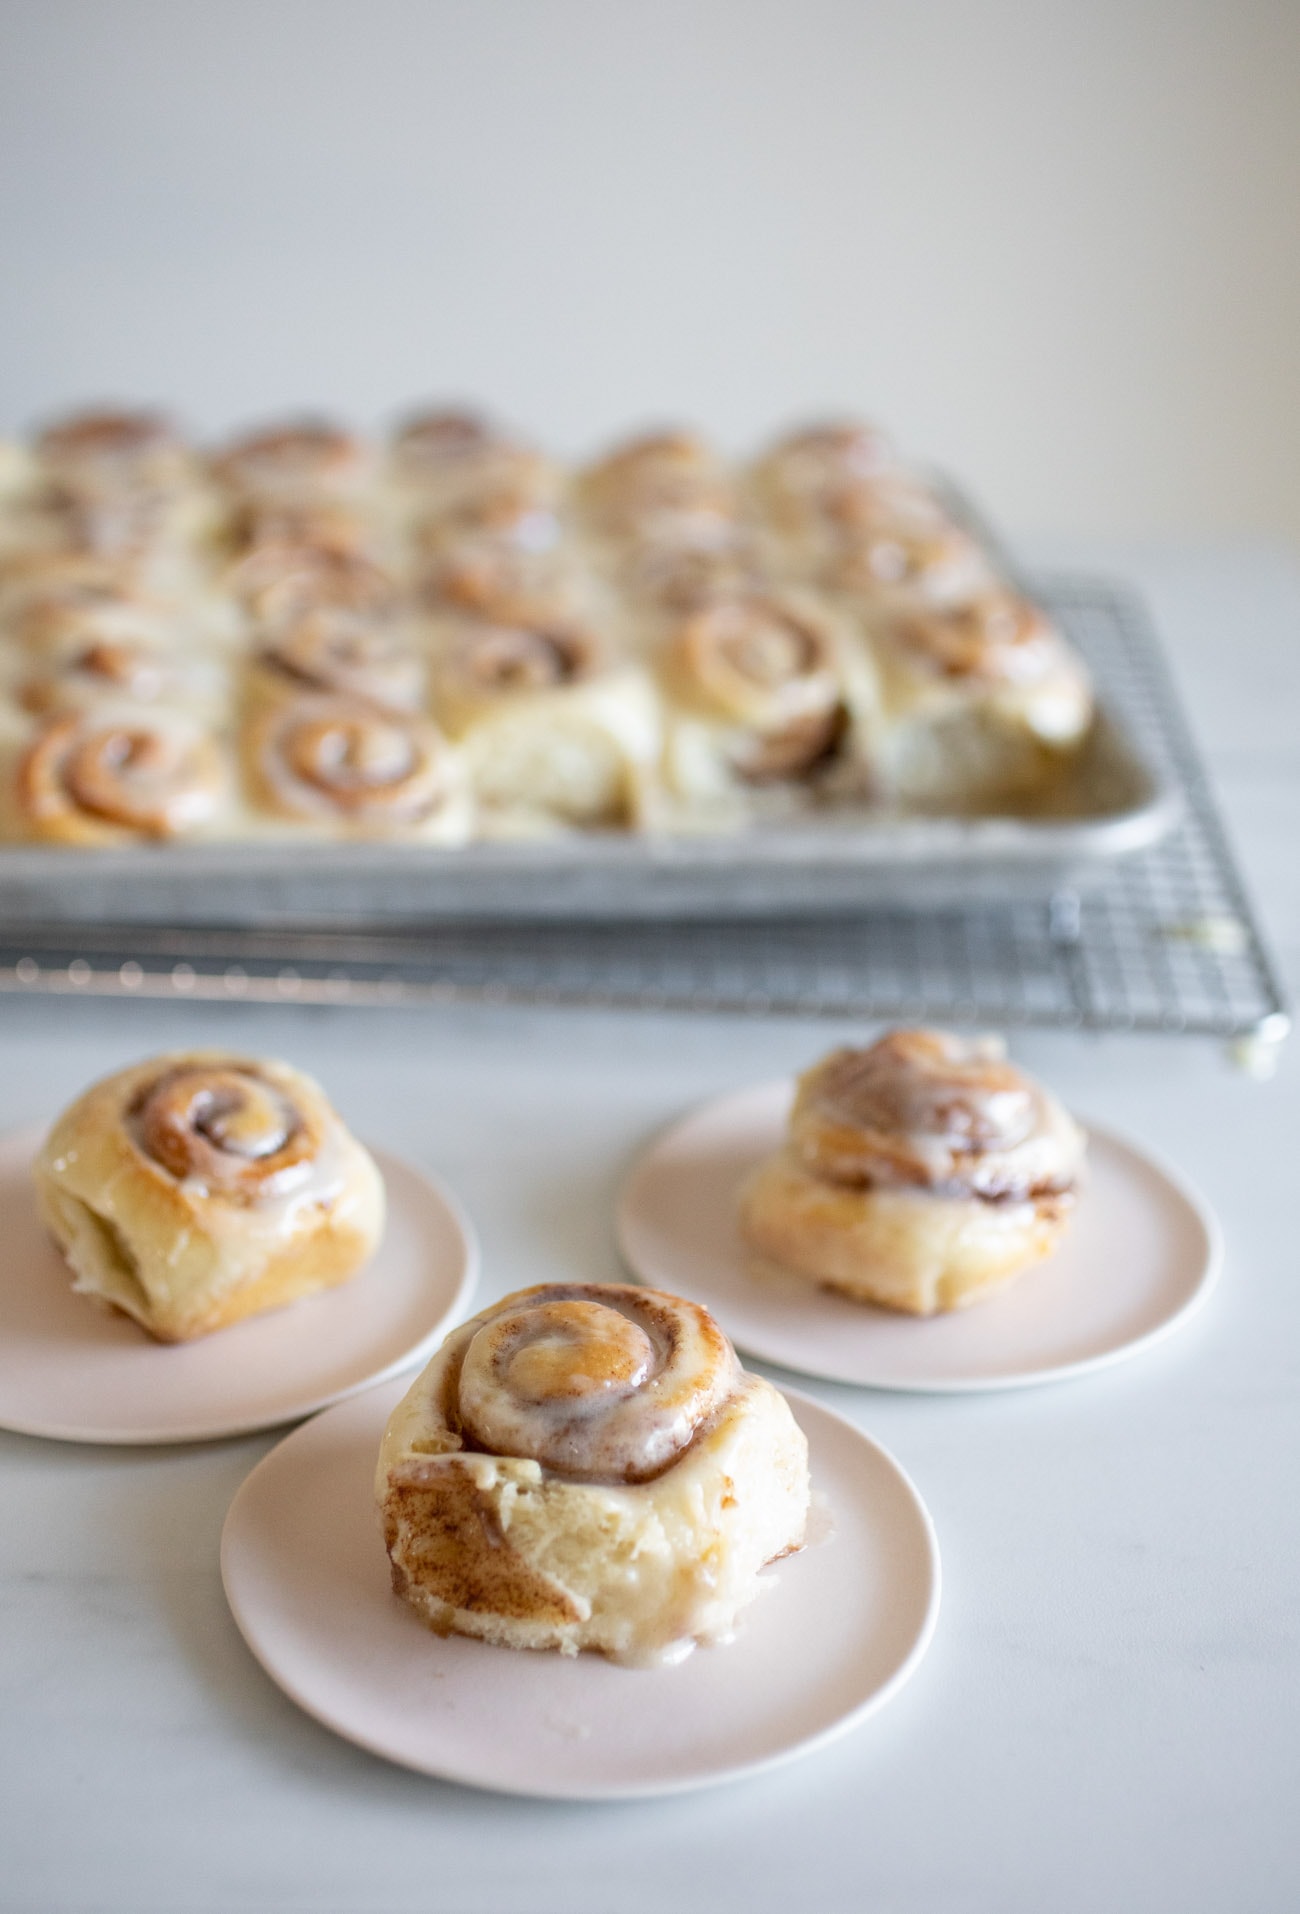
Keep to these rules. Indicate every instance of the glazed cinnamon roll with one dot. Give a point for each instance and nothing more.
(303, 459)
(761, 691)
(448, 463)
(983, 698)
(920, 1173)
(80, 677)
(280, 586)
(663, 486)
(550, 733)
(801, 478)
(338, 650)
(343, 763)
(196, 1189)
(909, 559)
(587, 1466)
(113, 774)
(51, 617)
(114, 451)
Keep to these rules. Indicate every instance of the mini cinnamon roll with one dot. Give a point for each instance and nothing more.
(982, 699)
(662, 486)
(117, 773)
(281, 586)
(802, 476)
(920, 1173)
(909, 561)
(80, 677)
(550, 733)
(452, 462)
(688, 575)
(114, 451)
(759, 692)
(302, 459)
(587, 1466)
(53, 617)
(193, 1190)
(280, 532)
(343, 763)
(338, 650)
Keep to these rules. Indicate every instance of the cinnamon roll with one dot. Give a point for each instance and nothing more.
(302, 459)
(196, 1189)
(114, 451)
(762, 691)
(920, 1173)
(448, 463)
(587, 1466)
(802, 477)
(343, 763)
(983, 699)
(339, 650)
(662, 486)
(549, 731)
(80, 677)
(113, 774)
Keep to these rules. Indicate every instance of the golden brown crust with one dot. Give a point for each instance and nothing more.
(645, 1481)
(341, 760)
(193, 1190)
(110, 777)
(919, 1173)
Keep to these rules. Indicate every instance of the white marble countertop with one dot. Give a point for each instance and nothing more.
(1107, 1717)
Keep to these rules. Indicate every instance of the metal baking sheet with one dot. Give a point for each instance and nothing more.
(1119, 799)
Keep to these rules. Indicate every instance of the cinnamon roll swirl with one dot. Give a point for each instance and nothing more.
(663, 486)
(920, 1173)
(458, 464)
(193, 1190)
(339, 650)
(588, 1467)
(303, 459)
(549, 731)
(343, 763)
(80, 677)
(114, 451)
(984, 698)
(762, 691)
(113, 774)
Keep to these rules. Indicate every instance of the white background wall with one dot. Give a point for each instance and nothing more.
(1056, 246)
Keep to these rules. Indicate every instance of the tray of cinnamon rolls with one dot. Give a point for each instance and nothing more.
(307, 676)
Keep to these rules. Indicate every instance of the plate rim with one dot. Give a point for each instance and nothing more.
(471, 1267)
(1182, 1187)
(627, 1791)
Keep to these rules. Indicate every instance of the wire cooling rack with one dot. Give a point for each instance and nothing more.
(1166, 942)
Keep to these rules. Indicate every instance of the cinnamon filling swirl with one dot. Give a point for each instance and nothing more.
(996, 636)
(106, 668)
(761, 664)
(927, 1109)
(152, 778)
(667, 476)
(111, 448)
(225, 1126)
(308, 456)
(595, 1384)
(335, 649)
(342, 757)
(508, 659)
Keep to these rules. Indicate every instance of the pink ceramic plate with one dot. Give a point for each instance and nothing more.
(1142, 1252)
(73, 1370)
(836, 1632)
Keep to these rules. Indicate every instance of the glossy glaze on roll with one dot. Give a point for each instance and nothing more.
(587, 1466)
(194, 1189)
(921, 1172)
(675, 642)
